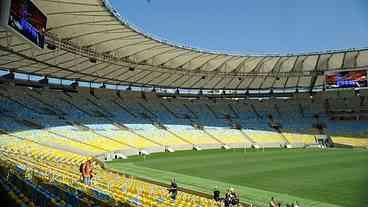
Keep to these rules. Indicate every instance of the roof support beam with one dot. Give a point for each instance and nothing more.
(205, 63)
(177, 56)
(113, 39)
(315, 75)
(190, 60)
(158, 54)
(92, 23)
(128, 45)
(140, 51)
(97, 32)
(225, 62)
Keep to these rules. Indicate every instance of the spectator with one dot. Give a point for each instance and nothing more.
(237, 199)
(87, 172)
(91, 173)
(227, 199)
(234, 197)
(231, 198)
(273, 203)
(296, 204)
(81, 167)
(216, 194)
(173, 190)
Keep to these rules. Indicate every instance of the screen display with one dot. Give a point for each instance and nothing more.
(346, 79)
(28, 20)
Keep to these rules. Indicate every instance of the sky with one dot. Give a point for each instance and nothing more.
(252, 26)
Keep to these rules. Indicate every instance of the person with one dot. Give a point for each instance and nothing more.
(216, 194)
(81, 166)
(87, 172)
(273, 203)
(91, 173)
(227, 199)
(173, 190)
(236, 199)
(296, 204)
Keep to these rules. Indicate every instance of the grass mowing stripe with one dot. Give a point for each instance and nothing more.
(248, 195)
(334, 176)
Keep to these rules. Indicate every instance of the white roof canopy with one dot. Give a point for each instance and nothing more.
(81, 29)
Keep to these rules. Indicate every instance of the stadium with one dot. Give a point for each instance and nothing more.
(167, 125)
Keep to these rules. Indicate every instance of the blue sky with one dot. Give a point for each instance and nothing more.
(248, 26)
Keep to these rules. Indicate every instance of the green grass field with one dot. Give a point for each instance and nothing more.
(337, 177)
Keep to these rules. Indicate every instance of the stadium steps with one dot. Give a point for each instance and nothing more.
(105, 111)
(255, 111)
(49, 144)
(34, 125)
(231, 137)
(350, 141)
(213, 137)
(283, 136)
(299, 135)
(103, 184)
(143, 137)
(28, 123)
(113, 139)
(178, 136)
(70, 147)
(212, 111)
(56, 111)
(277, 110)
(234, 111)
(78, 125)
(191, 111)
(120, 126)
(34, 110)
(301, 110)
(75, 106)
(247, 137)
(100, 185)
(81, 142)
(147, 110)
(124, 108)
(170, 111)
(52, 146)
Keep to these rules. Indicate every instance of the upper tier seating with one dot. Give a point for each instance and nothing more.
(105, 122)
(47, 134)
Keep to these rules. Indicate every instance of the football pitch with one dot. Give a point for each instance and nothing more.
(335, 177)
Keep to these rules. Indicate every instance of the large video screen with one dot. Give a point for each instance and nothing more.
(346, 79)
(28, 20)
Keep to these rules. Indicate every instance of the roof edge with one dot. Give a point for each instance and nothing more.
(107, 4)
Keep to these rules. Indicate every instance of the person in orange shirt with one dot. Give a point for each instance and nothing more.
(87, 172)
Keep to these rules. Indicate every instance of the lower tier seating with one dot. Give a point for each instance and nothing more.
(265, 136)
(351, 141)
(228, 136)
(59, 172)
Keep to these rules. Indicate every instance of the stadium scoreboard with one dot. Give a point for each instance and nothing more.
(346, 79)
(25, 19)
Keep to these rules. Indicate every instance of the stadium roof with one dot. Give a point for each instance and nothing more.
(93, 43)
